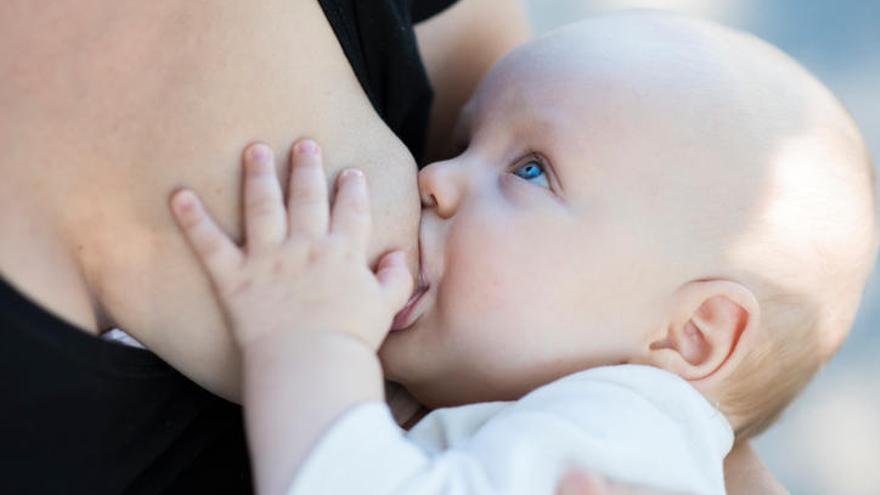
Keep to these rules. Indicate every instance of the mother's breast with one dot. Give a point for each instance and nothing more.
(164, 94)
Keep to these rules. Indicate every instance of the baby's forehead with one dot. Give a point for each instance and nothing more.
(652, 48)
(681, 82)
(655, 75)
(584, 96)
(649, 56)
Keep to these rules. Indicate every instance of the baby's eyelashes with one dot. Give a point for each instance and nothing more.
(533, 171)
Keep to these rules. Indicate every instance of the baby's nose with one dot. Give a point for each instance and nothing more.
(441, 186)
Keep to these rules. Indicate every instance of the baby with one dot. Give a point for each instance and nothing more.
(657, 230)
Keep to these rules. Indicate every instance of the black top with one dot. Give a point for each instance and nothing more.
(82, 415)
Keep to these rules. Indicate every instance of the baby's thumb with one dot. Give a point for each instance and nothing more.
(395, 279)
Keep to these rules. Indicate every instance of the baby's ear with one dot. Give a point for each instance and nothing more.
(711, 327)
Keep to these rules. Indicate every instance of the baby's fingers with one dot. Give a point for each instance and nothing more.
(577, 482)
(308, 208)
(395, 279)
(214, 249)
(265, 222)
(351, 210)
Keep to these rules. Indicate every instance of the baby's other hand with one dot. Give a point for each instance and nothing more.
(580, 482)
(302, 268)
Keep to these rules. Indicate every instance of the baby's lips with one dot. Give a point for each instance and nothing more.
(403, 317)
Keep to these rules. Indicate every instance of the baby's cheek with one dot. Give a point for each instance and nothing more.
(473, 272)
(489, 290)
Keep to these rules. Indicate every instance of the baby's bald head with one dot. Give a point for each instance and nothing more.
(749, 170)
(712, 203)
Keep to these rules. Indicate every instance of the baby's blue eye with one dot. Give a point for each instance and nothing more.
(532, 171)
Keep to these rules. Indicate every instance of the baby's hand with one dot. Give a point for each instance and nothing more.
(579, 482)
(303, 268)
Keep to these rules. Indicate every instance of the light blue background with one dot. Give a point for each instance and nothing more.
(828, 442)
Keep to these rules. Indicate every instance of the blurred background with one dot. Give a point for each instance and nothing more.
(828, 442)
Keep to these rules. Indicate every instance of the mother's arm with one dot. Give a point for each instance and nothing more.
(458, 47)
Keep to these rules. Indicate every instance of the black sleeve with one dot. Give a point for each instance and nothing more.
(424, 9)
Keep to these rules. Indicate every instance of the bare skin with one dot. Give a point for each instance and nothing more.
(110, 106)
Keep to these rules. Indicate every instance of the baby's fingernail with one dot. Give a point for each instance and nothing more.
(352, 174)
(184, 202)
(260, 153)
(306, 146)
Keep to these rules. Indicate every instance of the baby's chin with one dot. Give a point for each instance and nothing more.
(421, 375)
(397, 358)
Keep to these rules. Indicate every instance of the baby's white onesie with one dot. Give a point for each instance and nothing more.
(636, 424)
